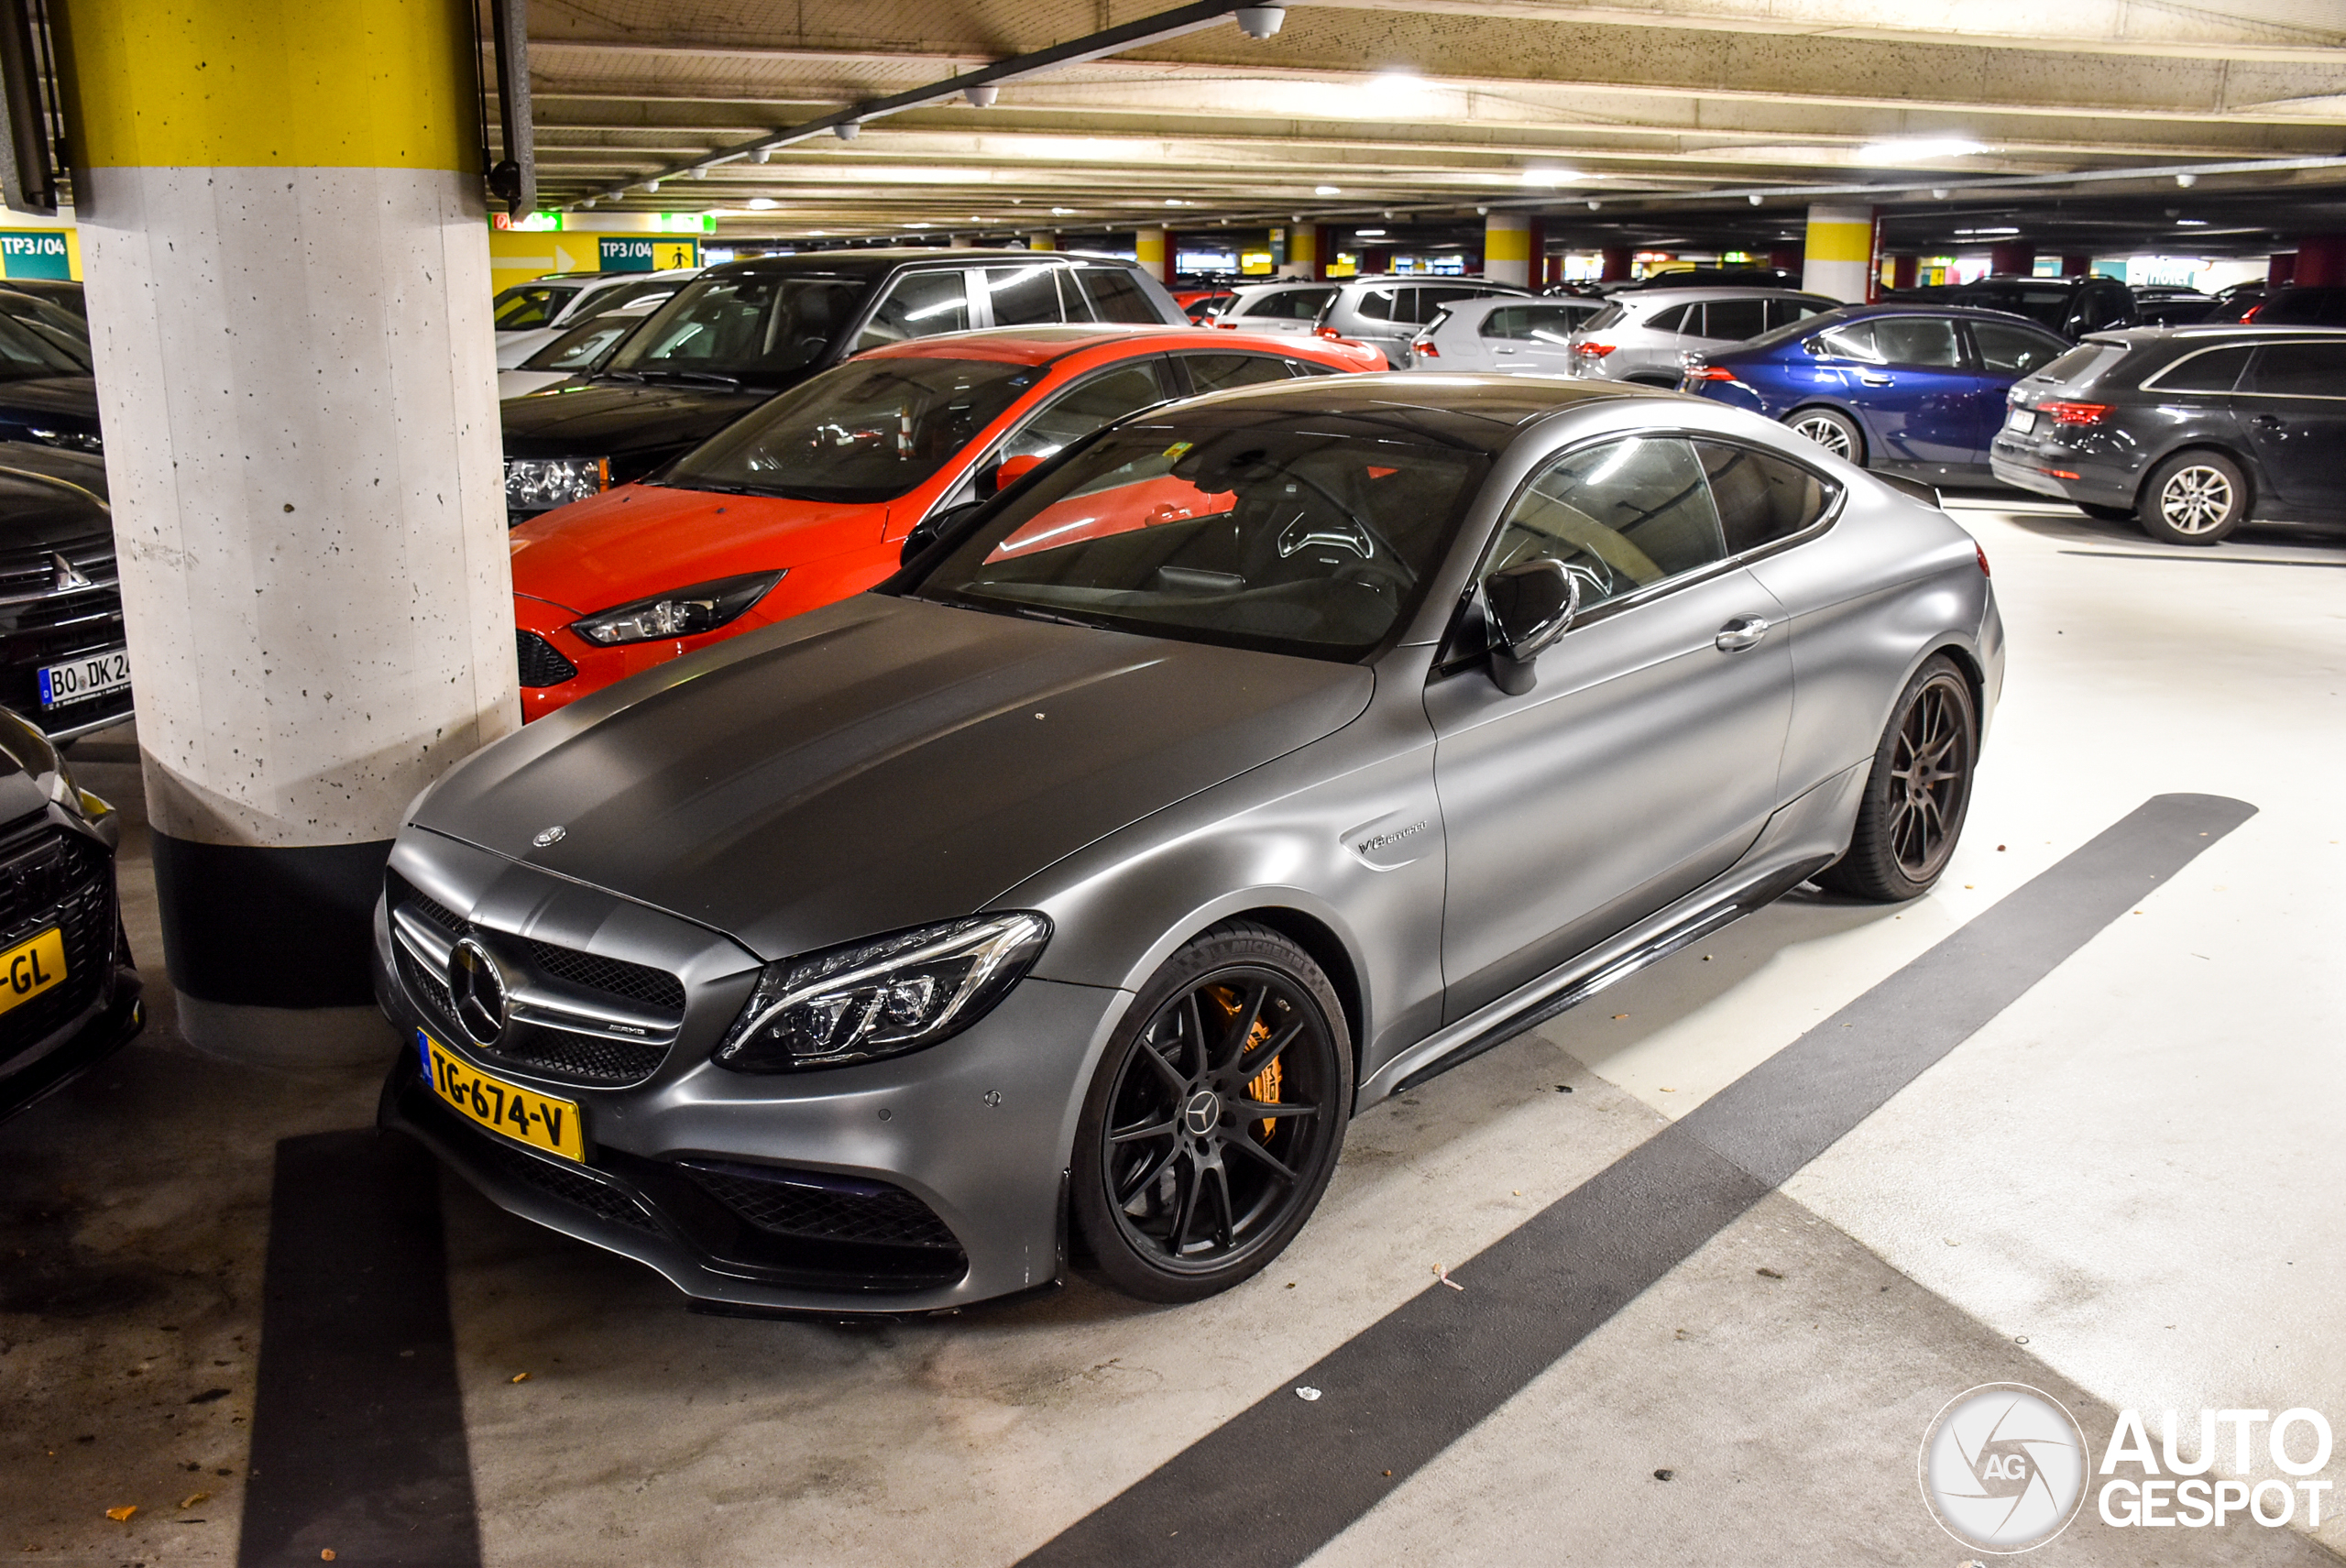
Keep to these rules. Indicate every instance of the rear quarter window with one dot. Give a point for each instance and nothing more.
(2209, 370)
(2080, 365)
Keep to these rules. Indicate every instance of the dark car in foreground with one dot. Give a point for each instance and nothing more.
(1901, 388)
(2190, 431)
(69, 993)
(47, 392)
(63, 655)
(2069, 306)
(1082, 881)
(738, 334)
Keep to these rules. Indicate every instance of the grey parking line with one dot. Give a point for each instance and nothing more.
(2218, 560)
(359, 1427)
(1279, 1481)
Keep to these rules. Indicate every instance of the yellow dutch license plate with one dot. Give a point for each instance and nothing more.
(523, 1114)
(30, 968)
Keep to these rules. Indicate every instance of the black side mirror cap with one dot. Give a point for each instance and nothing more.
(933, 527)
(1527, 607)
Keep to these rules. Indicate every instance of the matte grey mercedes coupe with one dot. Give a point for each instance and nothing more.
(1252, 759)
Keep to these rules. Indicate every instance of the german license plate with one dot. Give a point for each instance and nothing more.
(79, 679)
(2021, 421)
(523, 1114)
(30, 968)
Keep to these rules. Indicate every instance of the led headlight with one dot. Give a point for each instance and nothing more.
(542, 484)
(679, 612)
(882, 997)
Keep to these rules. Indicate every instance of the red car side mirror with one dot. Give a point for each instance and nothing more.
(1012, 469)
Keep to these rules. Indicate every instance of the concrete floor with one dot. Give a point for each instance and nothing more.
(2120, 1191)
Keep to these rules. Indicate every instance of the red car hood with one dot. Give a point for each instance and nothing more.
(640, 539)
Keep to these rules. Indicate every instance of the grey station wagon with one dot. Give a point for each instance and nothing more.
(1254, 759)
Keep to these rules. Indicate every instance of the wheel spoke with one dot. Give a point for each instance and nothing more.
(1133, 1134)
(1226, 1219)
(1185, 1203)
(1169, 1075)
(1279, 1041)
(1134, 1187)
(1264, 1157)
(1193, 1026)
(1241, 1025)
(1260, 1110)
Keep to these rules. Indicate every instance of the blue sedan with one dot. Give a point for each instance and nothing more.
(1891, 386)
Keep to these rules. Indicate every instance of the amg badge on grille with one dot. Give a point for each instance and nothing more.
(550, 835)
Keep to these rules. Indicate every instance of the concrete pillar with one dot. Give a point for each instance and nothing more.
(1618, 261)
(1303, 253)
(1506, 249)
(2076, 265)
(287, 261)
(2321, 260)
(2014, 256)
(1839, 260)
(959, 242)
(1042, 239)
(1154, 256)
(2281, 267)
(1903, 270)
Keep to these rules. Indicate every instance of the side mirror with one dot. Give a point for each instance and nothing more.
(1528, 605)
(933, 527)
(1012, 469)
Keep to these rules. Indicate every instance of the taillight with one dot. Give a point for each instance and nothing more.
(1593, 350)
(1332, 335)
(1424, 348)
(2075, 413)
(2250, 315)
(1982, 552)
(1709, 373)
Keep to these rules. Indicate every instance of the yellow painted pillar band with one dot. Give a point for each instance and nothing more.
(1149, 249)
(260, 83)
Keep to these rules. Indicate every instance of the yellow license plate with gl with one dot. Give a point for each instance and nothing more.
(523, 1114)
(30, 968)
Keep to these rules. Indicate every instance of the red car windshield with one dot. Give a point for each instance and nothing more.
(867, 431)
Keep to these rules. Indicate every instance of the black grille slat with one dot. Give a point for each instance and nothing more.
(587, 1058)
(820, 1209)
(405, 896)
(615, 977)
(542, 663)
(570, 1187)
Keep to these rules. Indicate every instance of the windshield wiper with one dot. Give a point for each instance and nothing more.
(700, 378)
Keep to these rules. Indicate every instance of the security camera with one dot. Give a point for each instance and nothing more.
(982, 98)
(1753, 198)
(848, 130)
(1261, 21)
(2187, 180)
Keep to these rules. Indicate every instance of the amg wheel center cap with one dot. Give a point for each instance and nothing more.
(1202, 1114)
(477, 987)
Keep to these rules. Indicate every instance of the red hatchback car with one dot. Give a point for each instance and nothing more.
(808, 498)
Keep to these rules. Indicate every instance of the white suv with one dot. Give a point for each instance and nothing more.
(1643, 334)
(531, 315)
(1290, 307)
(1503, 332)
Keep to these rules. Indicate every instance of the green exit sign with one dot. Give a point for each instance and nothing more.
(33, 253)
(646, 253)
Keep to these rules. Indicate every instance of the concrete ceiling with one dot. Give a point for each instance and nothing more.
(1669, 114)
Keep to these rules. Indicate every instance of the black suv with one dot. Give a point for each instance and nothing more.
(2070, 306)
(2190, 430)
(2299, 304)
(738, 334)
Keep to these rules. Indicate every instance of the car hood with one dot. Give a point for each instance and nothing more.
(621, 420)
(640, 540)
(878, 764)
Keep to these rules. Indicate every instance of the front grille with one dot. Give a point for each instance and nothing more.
(569, 1186)
(30, 571)
(53, 877)
(823, 1208)
(542, 663)
(430, 990)
(637, 983)
(41, 626)
(404, 896)
(586, 1058)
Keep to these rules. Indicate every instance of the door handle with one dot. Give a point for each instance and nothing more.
(1875, 380)
(1743, 631)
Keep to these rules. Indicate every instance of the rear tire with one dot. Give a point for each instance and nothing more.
(2107, 514)
(2193, 498)
(1831, 429)
(1917, 793)
(1215, 1118)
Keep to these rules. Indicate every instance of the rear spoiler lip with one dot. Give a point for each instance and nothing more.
(1926, 494)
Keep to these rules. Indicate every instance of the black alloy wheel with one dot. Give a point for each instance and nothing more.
(1216, 1117)
(1918, 793)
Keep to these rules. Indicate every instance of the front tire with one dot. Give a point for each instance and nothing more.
(1831, 429)
(2193, 498)
(1215, 1122)
(1918, 793)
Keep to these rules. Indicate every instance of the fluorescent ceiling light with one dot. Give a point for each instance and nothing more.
(762, 203)
(1326, 191)
(1546, 176)
(1918, 149)
(1395, 82)
(1062, 211)
(1369, 233)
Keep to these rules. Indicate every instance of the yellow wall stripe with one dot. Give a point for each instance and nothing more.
(1840, 242)
(1505, 244)
(257, 83)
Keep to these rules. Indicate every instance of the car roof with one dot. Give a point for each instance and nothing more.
(1479, 412)
(1269, 283)
(2212, 332)
(1929, 308)
(1042, 345)
(1690, 291)
(870, 264)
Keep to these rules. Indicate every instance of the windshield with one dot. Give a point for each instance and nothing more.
(582, 346)
(742, 326)
(527, 305)
(62, 329)
(27, 353)
(2047, 304)
(866, 430)
(1290, 539)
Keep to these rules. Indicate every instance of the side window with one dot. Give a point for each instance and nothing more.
(1292, 304)
(1925, 342)
(1735, 319)
(1507, 321)
(1760, 497)
(2013, 351)
(1852, 342)
(1784, 312)
(1116, 296)
(1673, 319)
(2209, 370)
(1310, 367)
(1377, 305)
(1620, 515)
(1082, 409)
(1217, 372)
(632, 294)
(2299, 371)
(1022, 296)
(921, 304)
(1430, 300)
